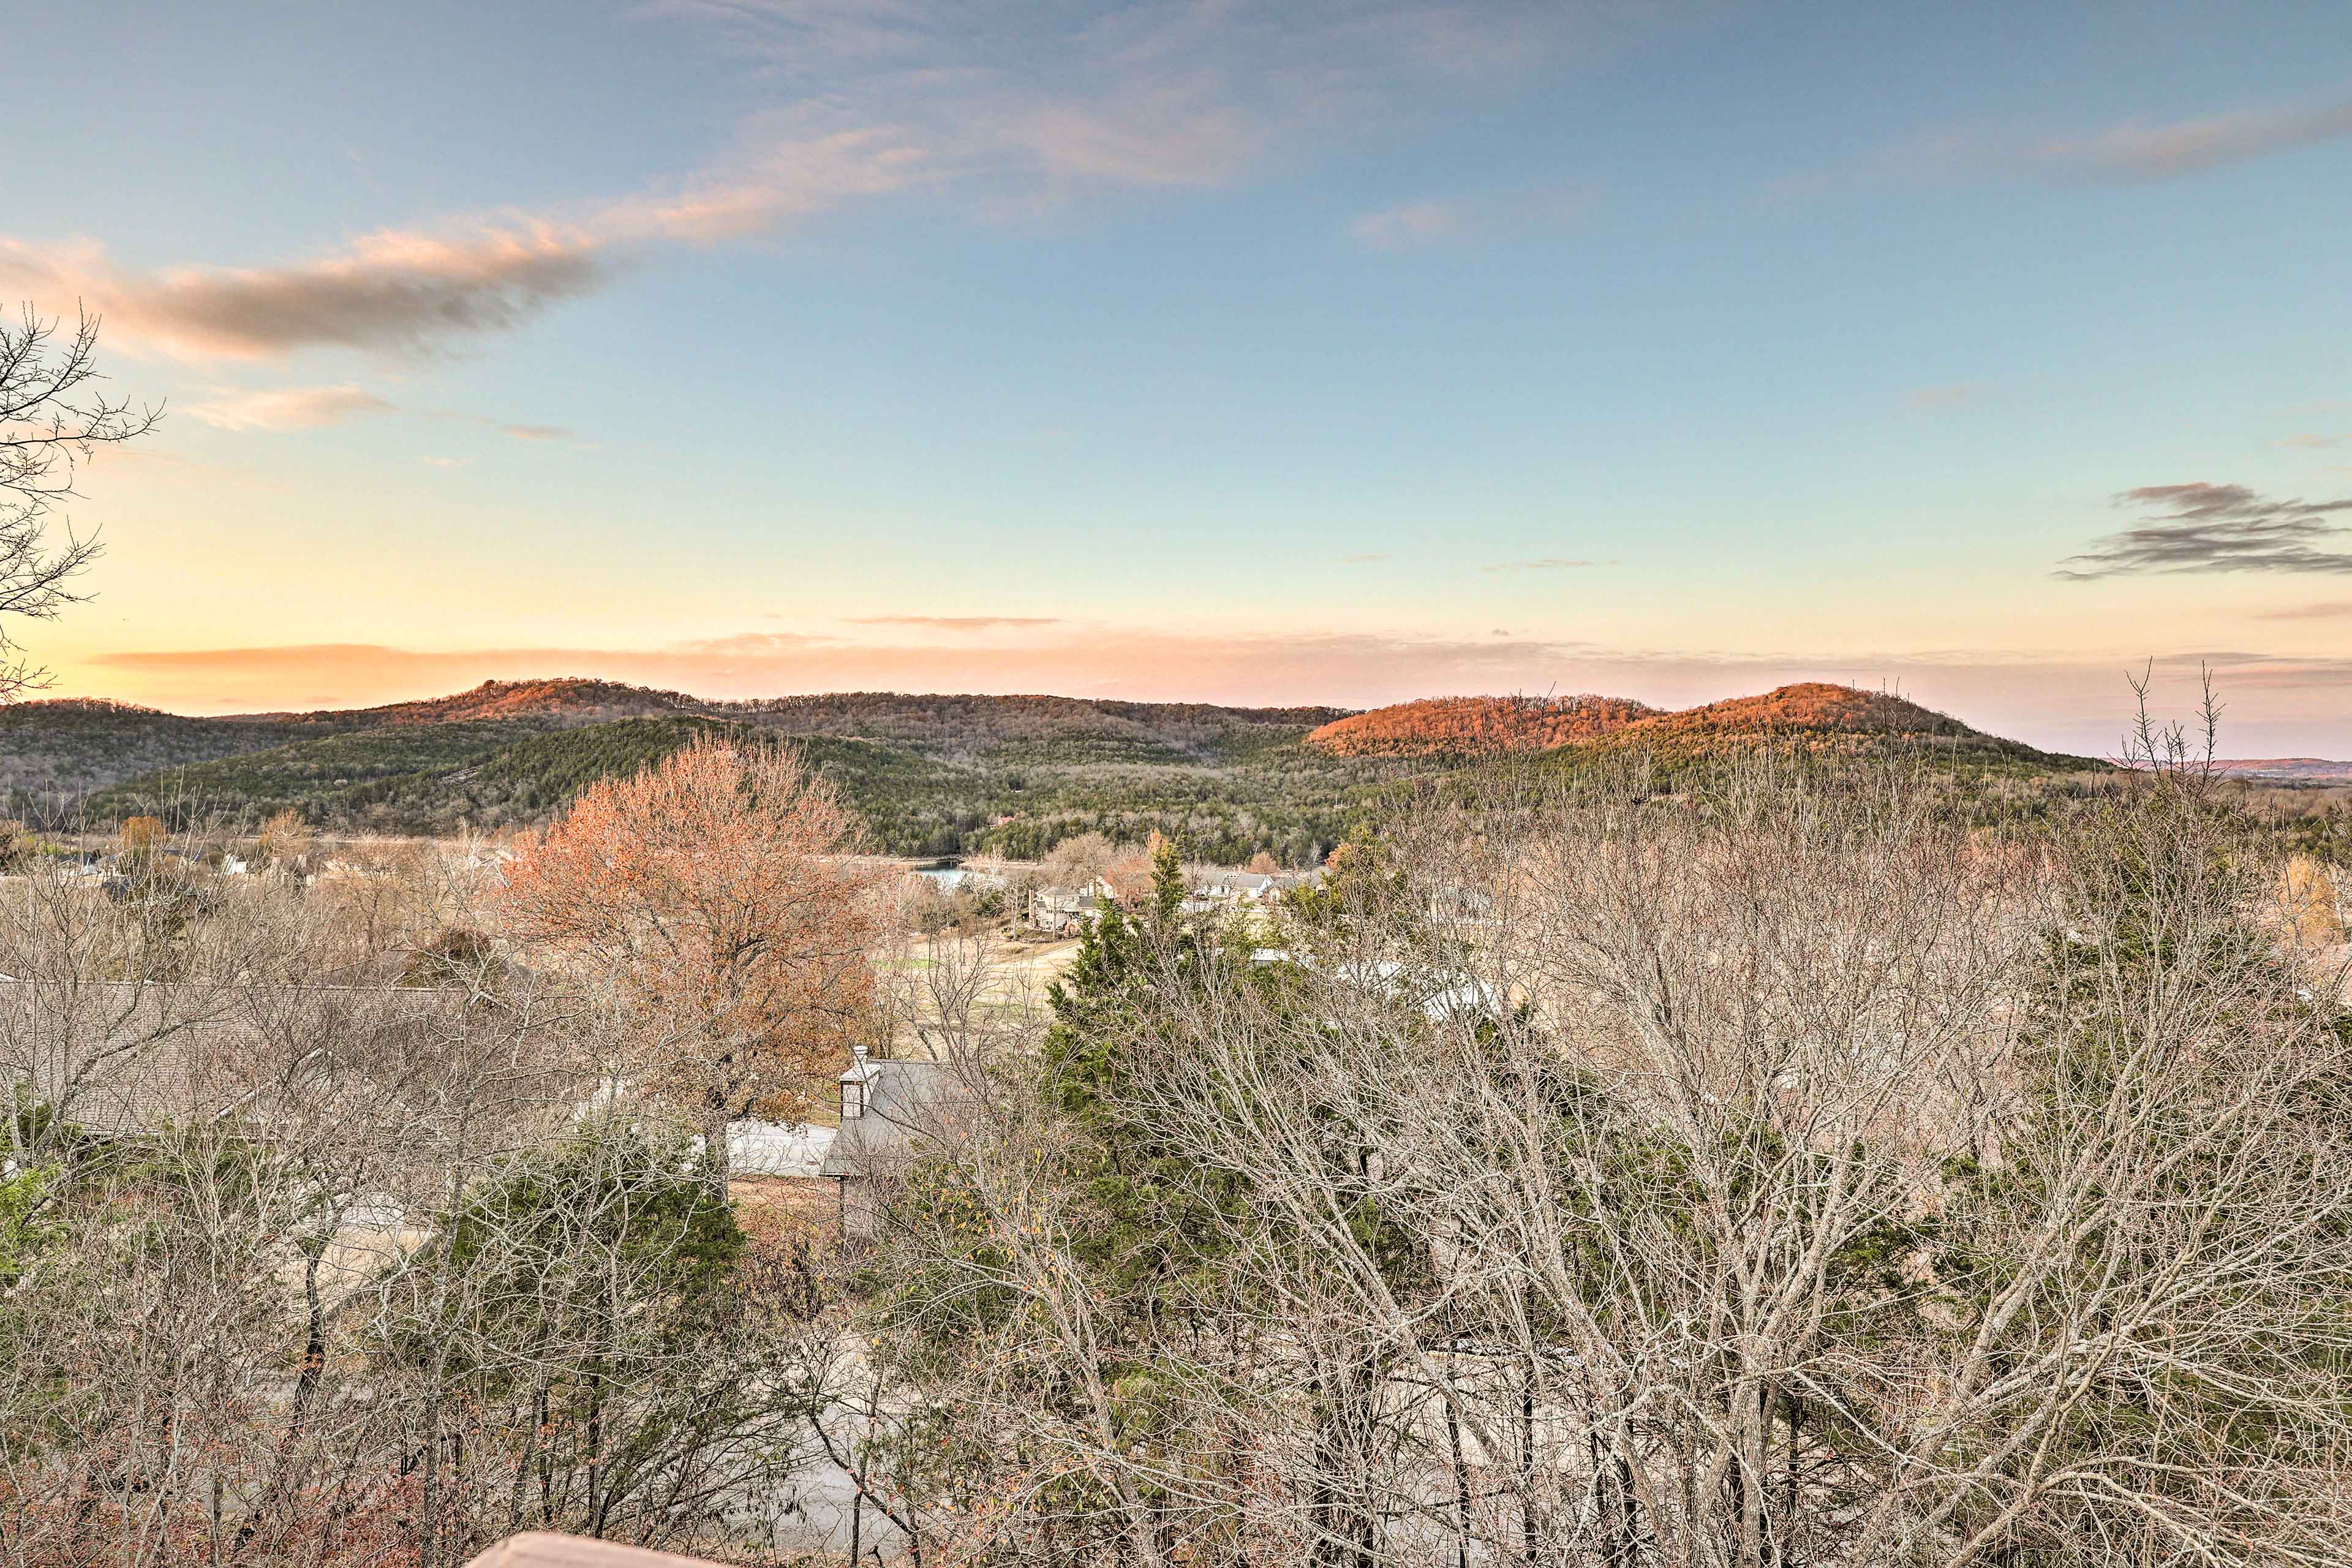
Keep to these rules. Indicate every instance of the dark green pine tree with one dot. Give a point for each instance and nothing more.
(1156, 1236)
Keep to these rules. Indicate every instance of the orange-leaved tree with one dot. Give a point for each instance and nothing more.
(713, 892)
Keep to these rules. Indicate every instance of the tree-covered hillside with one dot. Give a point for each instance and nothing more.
(64, 748)
(1813, 719)
(404, 779)
(1226, 790)
(54, 753)
(931, 775)
(1474, 726)
(1816, 718)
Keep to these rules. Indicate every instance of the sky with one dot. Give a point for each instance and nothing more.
(1286, 353)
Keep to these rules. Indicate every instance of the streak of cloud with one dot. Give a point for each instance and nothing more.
(2201, 527)
(2143, 152)
(1097, 662)
(1003, 116)
(310, 407)
(957, 623)
(1413, 225)
(2133, 152)
(1945, 397)
(1192, 92)
(419, 291)
(1547, 563)
(391, 291)
(285, 408)
(2325, 610)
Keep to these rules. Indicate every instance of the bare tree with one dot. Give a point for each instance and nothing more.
(1786, 1172)
(714, 893)
(1076, 861)
(304, 1259)
(52, 416)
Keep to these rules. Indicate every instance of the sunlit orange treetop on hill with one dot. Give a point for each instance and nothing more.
(1812, 705)
(1474, 725)
(1471, 725)
(570, 696)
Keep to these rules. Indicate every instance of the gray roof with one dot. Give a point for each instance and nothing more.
(907, 1104)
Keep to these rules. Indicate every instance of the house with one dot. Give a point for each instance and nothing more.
(81, 866)
(1251, 888)
(1062, 911)
(788, 1149)
(892, 1113)
(1236, 886)
(1443, 994)
(1125, 882)
(1128, 885)
(1065, 912)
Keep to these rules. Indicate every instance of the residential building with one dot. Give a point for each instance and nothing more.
(891, 1113)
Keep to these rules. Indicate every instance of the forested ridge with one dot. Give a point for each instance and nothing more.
(928, 775)
(1816, 716)
(1438, 725)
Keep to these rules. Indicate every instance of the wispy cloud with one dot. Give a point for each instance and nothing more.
(2328, 610)
(1414, 225)
(2128, 153)
(390, 291)
(1185, 92)
(310, 407)
(1086, 661)
(1002, 112)
(957, 623)
(422, 290)
(1364, 560)
(1547, 563)
(285, 408)
(2139, 151)
(2309, 440)
(2202, 527)
(1947, 397)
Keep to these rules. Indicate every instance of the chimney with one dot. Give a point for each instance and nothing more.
(853, 1084)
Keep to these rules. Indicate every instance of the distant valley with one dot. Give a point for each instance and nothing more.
(2288, 770)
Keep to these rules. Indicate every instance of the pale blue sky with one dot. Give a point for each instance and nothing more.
(1298, 352)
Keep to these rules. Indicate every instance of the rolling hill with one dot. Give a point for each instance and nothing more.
(1814, 718)
(1474, 726)
(59, 749)
(566, 701)
(929, 775)
(1819, 719)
